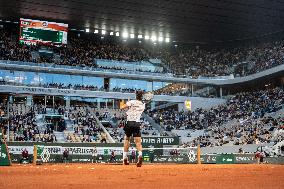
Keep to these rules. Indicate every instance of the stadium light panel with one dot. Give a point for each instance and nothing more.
(161, 39)
(125, 35)
(87, 30)
(147, 37)
(132, 35)
(154, 38)
(103, 32)
(110, 33)
(167, 40)
(96, 31)
(117, 34)
(140, 36)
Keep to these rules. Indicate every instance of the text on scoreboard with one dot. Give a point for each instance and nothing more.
(36, 31)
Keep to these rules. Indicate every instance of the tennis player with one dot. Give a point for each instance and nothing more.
(132, 127)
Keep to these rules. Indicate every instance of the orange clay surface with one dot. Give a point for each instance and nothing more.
(100, 176)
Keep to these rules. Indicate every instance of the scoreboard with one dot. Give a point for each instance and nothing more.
(36, 31)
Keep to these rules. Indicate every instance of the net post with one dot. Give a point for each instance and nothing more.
(35, 155)
(198, 154)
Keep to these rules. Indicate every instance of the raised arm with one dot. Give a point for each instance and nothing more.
(126, 105)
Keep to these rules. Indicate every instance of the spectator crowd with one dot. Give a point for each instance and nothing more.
(191, 62)
(23, 125)
(246, 112)
(249, 108)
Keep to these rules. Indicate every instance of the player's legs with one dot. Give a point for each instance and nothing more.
(125, 149)
(137, 141)
(139, 148)
(126, 143)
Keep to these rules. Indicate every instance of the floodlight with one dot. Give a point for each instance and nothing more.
(153, 38)
(125, 35)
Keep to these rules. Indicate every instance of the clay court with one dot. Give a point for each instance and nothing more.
(92, 176)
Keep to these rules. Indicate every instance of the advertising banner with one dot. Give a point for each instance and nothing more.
(4, 156)
(225, 159)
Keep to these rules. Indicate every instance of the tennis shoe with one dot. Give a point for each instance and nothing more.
(125, 161)
(139, 163)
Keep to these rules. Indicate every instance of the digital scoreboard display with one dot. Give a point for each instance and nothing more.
(36, 31)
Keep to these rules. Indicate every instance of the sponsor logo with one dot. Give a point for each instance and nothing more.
(191, 156)
(44, 24)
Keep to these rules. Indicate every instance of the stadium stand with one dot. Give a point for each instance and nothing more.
(248, 109)
(191, 62)
(244, 119)
(84, 126)
(191, 91)
(24, 125)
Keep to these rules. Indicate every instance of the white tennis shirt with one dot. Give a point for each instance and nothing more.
(135, 110)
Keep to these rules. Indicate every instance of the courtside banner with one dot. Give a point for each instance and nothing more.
(161, 140)
(174, 159)
(20, 149)
(81, 152)
(4, 155)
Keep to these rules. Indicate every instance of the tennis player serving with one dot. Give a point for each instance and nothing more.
(132, 127)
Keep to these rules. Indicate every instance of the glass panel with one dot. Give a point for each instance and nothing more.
(120, 84)
(35, 79)
(94, 81)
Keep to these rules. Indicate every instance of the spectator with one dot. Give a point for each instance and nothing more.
(94, 154)
(103, 140)
(25, 156)
(65, 155)
(112, 157)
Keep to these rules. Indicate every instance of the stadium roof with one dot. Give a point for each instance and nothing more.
(181, 20)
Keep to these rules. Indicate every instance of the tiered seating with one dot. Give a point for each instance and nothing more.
(85, 126)
(189, 61)
(248, 109)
